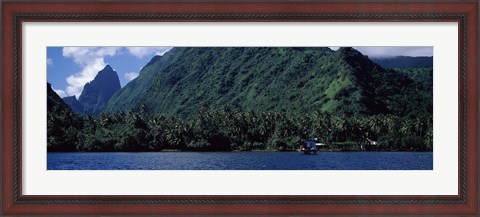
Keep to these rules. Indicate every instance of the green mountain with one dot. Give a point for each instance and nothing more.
(60, 133)
(295, 80)
(253, 98)
(132, 94)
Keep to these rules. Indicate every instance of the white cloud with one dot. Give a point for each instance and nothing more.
(91, 60)
(60, 93)
(49, 62)
(77, 81)
(131, 75)
(141, 52)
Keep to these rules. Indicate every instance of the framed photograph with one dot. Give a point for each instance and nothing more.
(251, 108)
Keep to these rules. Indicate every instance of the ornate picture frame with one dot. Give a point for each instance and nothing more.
(14, 13)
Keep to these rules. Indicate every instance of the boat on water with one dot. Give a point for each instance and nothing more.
(308, 147)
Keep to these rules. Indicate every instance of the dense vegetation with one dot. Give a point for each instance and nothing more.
(295, 80)
(226, 130)
(222, 99)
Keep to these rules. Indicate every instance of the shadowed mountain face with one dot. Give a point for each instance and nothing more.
(54, 102)
(295, 80)
(57, 113)
(73, 103)
(96, 93)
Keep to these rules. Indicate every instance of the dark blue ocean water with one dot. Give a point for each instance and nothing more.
(240, 161)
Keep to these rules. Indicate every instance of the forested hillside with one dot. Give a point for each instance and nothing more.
(61, 134)
(249, 98)
(293, 80)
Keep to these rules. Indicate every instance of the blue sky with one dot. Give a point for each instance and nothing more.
(70, 68)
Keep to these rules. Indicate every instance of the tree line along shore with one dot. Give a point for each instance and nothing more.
(224, 129)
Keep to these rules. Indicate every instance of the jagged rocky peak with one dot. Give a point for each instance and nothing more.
(107, 75)
(97, 92)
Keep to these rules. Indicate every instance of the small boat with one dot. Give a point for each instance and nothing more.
(308, 147)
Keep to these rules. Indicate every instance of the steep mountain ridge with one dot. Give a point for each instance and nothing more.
(292, 79)
(54, 102)
(132, 93)
(95, 94)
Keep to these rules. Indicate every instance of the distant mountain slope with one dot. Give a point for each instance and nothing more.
(295, 80)
(404, 62)
(74, 104)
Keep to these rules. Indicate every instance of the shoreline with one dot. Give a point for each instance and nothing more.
(233, 151)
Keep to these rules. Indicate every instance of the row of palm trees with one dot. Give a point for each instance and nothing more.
(226, 130)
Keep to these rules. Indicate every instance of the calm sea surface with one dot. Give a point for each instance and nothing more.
(240, 161)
